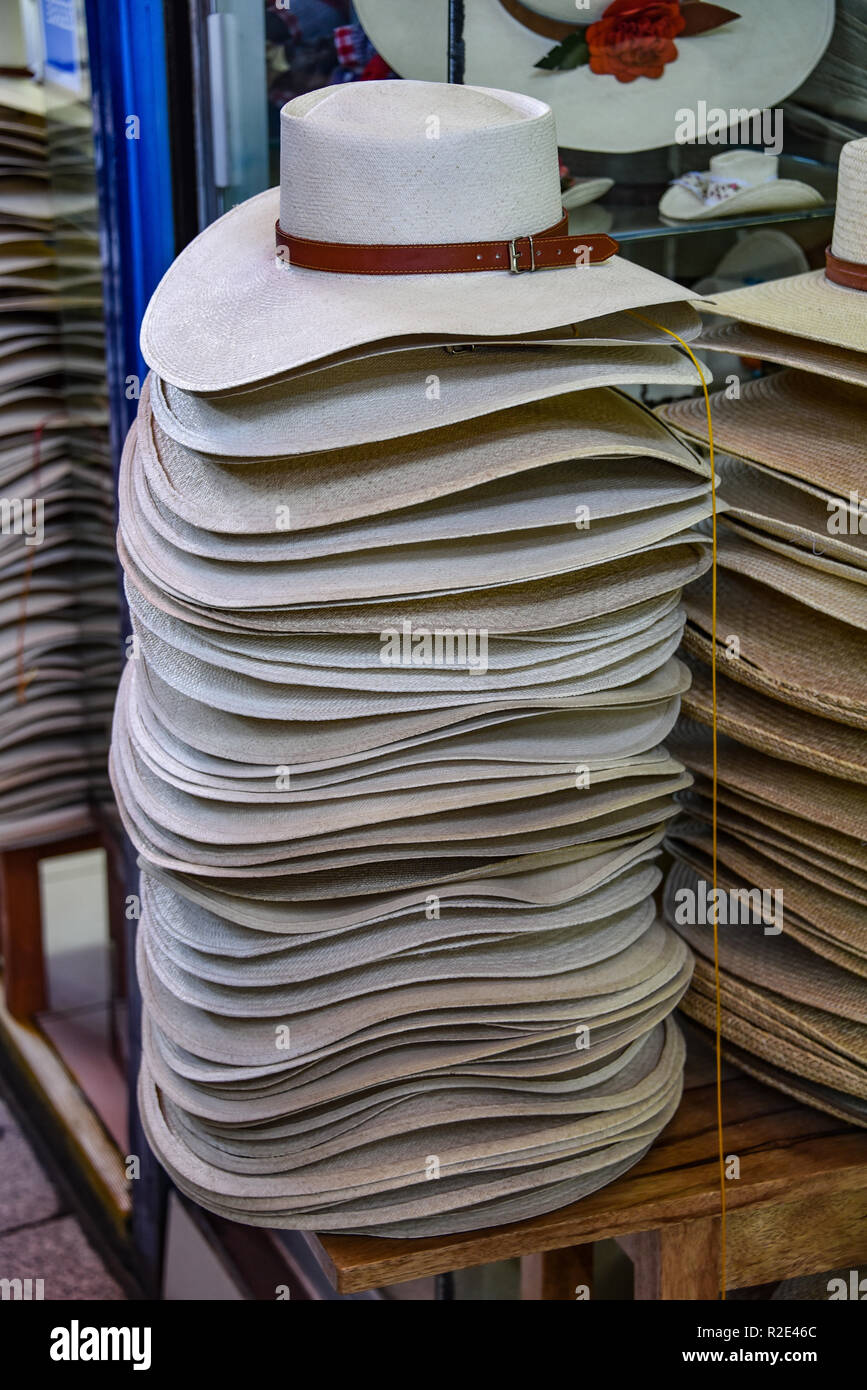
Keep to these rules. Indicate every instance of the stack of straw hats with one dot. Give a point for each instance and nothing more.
(792, 689)
(58, 591)
(405, 570)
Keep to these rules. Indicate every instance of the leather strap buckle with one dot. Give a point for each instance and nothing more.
(515, 252)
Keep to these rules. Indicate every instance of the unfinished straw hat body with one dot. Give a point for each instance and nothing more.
(620, 100)
(391, 743)
(791, 685)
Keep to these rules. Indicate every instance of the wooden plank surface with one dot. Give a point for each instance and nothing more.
(558, 1275)
(676, 1262)
(787, 1152)
(780, 1241)
(21, 933)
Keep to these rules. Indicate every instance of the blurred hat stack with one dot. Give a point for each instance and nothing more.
(58, 592)
(792, 680)
(405, 570)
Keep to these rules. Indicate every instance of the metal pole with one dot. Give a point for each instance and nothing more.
(456, 41)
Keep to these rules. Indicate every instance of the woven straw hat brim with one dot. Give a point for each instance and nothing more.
(787, 350)
(373, 1159)
(512, 507)
(450, 784)
(523, 745)
(808, 907)
(494, 1043)
(326, 1157)
(824, 945)
(773, 1046)
(777, 637)
(328, 657)
(812, 558)
(835, 1103)
(826, 593)
(624, 329)
(395, 858)
(553, 602)
(317, 821)
(271, 991)
(290, 661)
(366, 1077)
(805, 851)
(229, 275)
(778, 195)
(765, 501)
(762, 722)
(441, 567)
(814, 796)
(843, 855)
(589, 869)
(315, 744)
(548, 1187)
(222, 946)
(402, 867)
(584, 191)
(265, 1149)
(794, 422)
(823, 1033)
(745, 1009)
(360, 1072)
(778, 963)
(330, 488)
(654, 962)
(808, 306)
(400, 393)
(206, 679)
(742, 847)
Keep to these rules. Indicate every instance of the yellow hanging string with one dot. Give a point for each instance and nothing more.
(718, 1028)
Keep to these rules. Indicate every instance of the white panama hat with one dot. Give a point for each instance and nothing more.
(429, 174)
(750, 63)
(826, 306)
(737, 183)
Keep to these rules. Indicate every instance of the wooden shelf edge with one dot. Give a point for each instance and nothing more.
(98, 1157)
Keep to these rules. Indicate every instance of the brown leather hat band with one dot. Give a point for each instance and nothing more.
(852, 274)
(548, 250)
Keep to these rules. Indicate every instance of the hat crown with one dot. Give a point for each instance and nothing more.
(417, 162)
(751, 167)
(569, 11)
(849, 242)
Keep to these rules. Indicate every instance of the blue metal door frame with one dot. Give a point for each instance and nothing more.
(133, 145)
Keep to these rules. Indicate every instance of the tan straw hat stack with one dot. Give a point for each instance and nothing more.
(791, 659)
(59, 653)
(405, 566)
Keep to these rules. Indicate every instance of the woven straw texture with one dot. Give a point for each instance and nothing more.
(791, 695)
(390, 746)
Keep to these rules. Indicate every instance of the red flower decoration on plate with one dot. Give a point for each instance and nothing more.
(634, 39)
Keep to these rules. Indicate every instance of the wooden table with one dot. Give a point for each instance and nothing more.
(799, 1207)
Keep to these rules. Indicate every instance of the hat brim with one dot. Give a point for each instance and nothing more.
(228, 314)
(584, 191)
(747, 340)
(388, 395)
(749, 64)
(806, 306)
